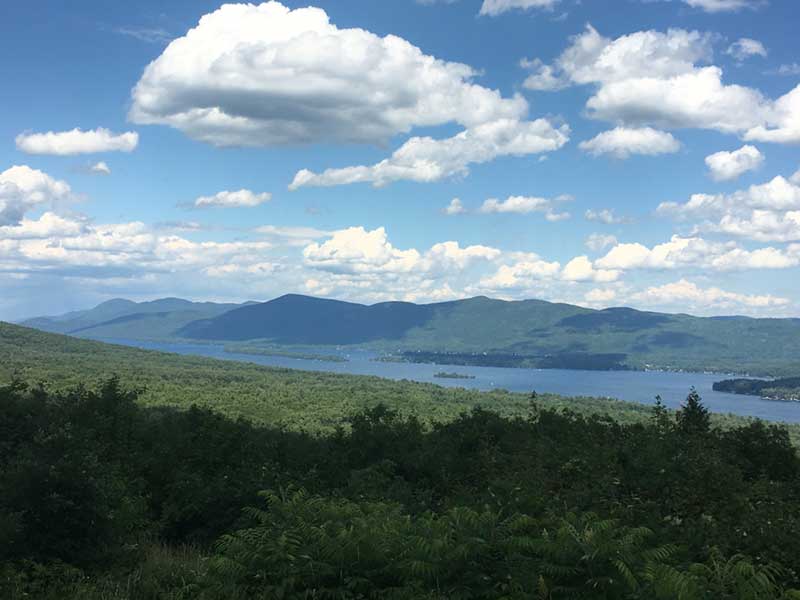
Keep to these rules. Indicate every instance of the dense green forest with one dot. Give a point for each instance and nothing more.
(313, 402)
(132, 475)
(567, 360)
(472, 331)
(101, 498)
(485, 331)
(777, 389)
(278, 351)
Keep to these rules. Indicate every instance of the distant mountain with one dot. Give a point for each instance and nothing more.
(295, 319)
(475, 331)
(119, 318)
(521, 333)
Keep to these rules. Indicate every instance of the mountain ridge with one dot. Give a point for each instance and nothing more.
(158, 318)
(478, 330)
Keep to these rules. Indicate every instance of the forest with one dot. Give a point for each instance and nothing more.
(128, 474)
(103, 498)
(787, 388)
(297, 400)
(475, 331)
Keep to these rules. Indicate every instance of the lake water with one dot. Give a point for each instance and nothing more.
(634, 386)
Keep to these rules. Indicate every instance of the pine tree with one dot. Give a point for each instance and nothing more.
(693, 418)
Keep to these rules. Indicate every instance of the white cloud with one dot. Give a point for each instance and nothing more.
(725, 166)
(697, 99)
(355, 263)
(555, 217)
(593, 59)
(227, 270)
(782, 122)
(238, 199)
(70, 247)
(456, 207)
(598, 241)
(250, 75)
(76, 141)
(498, 7)
(254, 75)
(151, 35)
(516, 204)
(302, 233)
(695, 252)
(543, 77)
(600, 296)
(581, 268)
(525, 205)
(664, 80)
(788, 70)
(744, 48)
(494, 8)
(715, 6)
(621, 142)
(49, 225)
(685, 294)
(446, 256)
(291, 236)
(606, 216)
(100, 168)
(778, 194)
(760, 225)
(23, 188)
(358, 251)
(522, 273)
(766, 212)
(424, 159)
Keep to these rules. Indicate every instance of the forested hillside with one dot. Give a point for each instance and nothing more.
(297, 399)
(478, 331)
(530, 333)
(787, 389)
(128, 474)
(103, 499)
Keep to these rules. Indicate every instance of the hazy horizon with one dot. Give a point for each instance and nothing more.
(266, 300)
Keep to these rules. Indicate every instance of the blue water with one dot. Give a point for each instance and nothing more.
(634, 386)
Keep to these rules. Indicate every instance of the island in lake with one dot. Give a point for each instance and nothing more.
(787, 389)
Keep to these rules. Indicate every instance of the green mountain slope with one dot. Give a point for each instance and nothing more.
(119, 318)
(300, 400)
(522, 333)
(309, 401)
(482, 331)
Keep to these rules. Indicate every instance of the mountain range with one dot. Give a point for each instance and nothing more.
(477, 330)
(125, 319)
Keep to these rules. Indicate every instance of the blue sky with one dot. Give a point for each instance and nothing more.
(643, 156)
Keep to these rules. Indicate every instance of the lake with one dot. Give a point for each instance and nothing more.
(633, 386)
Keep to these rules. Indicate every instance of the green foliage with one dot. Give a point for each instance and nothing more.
(787, 389)
(472, 331)
(380, 489)
(103, 496)
(314, 402)
(694, 418)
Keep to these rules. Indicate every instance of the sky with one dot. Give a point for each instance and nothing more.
(641, 153)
